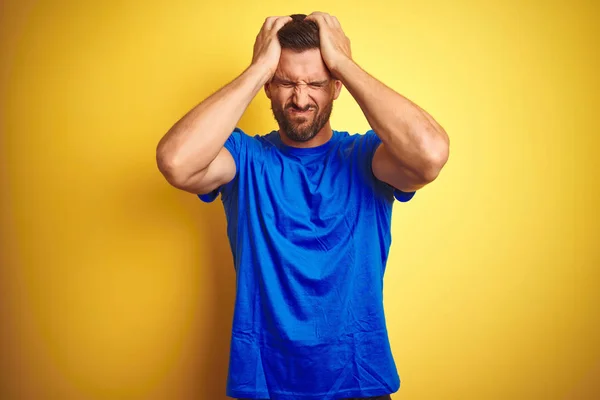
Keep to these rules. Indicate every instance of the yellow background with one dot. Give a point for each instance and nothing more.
(115, 285)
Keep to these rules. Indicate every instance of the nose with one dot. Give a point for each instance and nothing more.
(300, 98)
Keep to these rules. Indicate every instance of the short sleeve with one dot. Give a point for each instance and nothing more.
(235, 144)
(371, 143)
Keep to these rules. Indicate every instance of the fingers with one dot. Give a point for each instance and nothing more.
(324, 18)
(276, 22)
(280, 22)
(269, 21)
(335, 21)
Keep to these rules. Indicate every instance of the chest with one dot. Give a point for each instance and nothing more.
(319, 197)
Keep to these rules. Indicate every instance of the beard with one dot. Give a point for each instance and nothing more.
(301, 128)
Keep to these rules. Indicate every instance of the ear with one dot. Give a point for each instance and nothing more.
(337, 88)
(268, 90)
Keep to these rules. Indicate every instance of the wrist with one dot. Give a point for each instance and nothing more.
(261, 71)
(340, 67)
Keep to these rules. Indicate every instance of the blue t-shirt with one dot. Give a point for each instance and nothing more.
(309, 230)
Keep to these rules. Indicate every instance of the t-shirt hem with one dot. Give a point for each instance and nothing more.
(349, 393)
(237, 394)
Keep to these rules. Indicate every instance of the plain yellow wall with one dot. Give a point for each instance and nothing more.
(115, 285)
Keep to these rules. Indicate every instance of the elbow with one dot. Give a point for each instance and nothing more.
(436, 159)
(171, 168)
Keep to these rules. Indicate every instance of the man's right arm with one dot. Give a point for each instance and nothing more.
(191, 155)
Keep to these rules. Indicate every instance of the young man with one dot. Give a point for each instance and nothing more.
(308, 211)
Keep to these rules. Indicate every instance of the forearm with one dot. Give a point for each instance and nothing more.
(409, 133)
(196, 139)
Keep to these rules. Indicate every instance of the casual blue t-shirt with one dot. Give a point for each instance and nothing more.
(309, 230)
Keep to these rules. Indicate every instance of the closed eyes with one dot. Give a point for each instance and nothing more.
(290, 85)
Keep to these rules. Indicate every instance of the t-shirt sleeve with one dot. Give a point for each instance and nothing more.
(236, 145)
(371, 143)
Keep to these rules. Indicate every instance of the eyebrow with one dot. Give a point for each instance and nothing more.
(282, 80)
(318, 82)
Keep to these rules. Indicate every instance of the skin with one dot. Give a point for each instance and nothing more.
(191, 155)
(414, 146)
(302, 93)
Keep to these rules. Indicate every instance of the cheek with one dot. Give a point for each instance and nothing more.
(281, 100)
(326, 96)
(323, 100)
(276, 103)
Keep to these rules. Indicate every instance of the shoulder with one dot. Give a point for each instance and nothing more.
(260, 140)
(240, 142)
(350, 138)
(361, 144)
(362, 147)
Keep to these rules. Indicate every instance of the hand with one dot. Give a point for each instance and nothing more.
(267, 49)
(335, 45)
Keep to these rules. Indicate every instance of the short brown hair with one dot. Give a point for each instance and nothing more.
(299, 35)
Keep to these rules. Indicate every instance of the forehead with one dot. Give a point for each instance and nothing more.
(307, 65)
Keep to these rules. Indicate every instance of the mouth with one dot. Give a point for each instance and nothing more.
(295, 111)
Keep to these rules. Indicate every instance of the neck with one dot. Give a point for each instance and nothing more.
(320, 138)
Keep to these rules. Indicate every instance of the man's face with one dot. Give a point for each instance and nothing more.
(302, 93)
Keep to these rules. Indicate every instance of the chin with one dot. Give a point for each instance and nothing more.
(301, 137)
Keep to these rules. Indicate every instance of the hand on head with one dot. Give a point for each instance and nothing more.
(334, 44)
(267, 49)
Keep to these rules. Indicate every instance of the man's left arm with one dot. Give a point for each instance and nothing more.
(414, 146)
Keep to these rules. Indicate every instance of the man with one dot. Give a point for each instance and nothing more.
(308, 211)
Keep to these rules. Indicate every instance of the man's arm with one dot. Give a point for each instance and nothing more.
(191, 155)
(415, 147)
